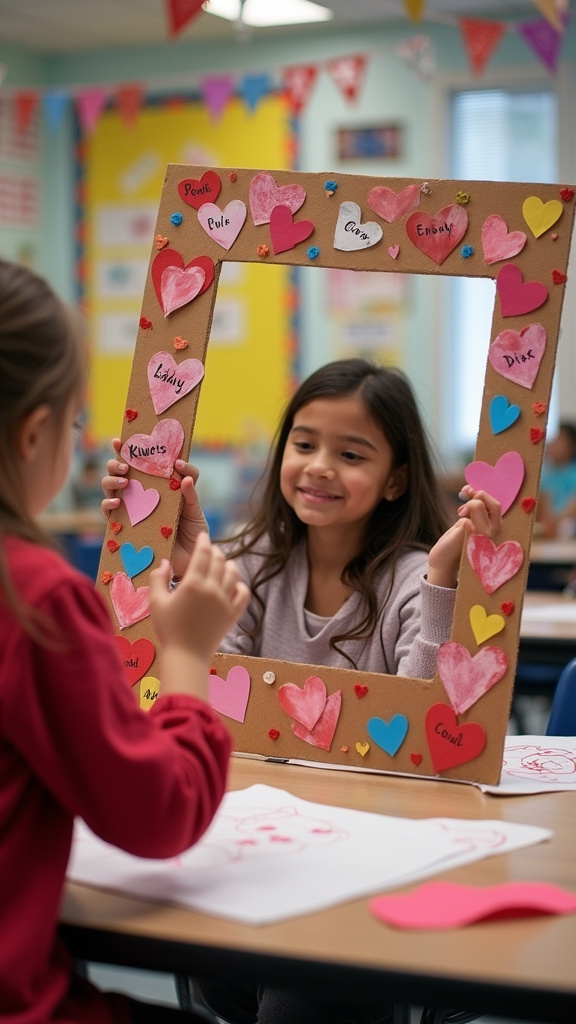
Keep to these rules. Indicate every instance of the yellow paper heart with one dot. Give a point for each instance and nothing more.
(362, 748)
(540, 216)
(149, 690)
(484, 626)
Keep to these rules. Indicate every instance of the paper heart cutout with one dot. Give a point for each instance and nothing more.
(497, 242)
(388, 735)
(540, 216)
(517, 355)
(157, 452)
(389, 205)
(483, 625)
(362, 748)
(171, 259)
(230, 696)
(502, 414)
(437, 236)
(179, 286)
(137, 657)
(196, 193)
(304, 704)
(466, 678)
(264, 195)
(149, 692)
(140, 503)
(517, 296)
(393, 251)
(135, 561)
(451, 744)
(130, 605)
(323, 732)
(285, 233)
(502, 481)
(350, 234)
(169, 381)
(416, 759)
(223, 226)
(494, 565)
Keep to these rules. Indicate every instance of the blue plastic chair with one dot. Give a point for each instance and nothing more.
(562, 720)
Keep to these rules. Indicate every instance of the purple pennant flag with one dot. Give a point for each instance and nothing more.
(544, 40)
(253, 88)
(216, 92)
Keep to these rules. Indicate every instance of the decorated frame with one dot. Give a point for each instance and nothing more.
(453, 725)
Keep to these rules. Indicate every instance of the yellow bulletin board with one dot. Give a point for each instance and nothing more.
(252, 343)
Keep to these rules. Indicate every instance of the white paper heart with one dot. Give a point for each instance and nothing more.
(350, 233)
(223, 226)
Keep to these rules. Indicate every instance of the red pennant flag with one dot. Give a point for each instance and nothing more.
(129, 99)
(480, 40)
(298, 83)
(348, 73)
(180, 12)
(26, 104)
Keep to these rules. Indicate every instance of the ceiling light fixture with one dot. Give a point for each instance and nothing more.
(264, 13)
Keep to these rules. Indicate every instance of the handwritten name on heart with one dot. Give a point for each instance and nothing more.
(304, 704)
(223, 226)
(497, 242)
(449, 743)
(466, 678)
(516, 295)
(135, 561)
(149, 692)
(264, 195)
(157, 452)
(483, 625)
(323, 732)
(230, 696)
(541, 216)
(130, 605)
(502, 414)
(137, 657)
(286, 233)
(196, 193)
(388, 735)
(140, 502)
(350, 234)
(183, 282)
(502, 481)
(494, 565)
(169, 381)
(517, 355)
(390, 205)
(437, 236)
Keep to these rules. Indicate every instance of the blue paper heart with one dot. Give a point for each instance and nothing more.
(388, 735)
(135, 561)
(502, 415)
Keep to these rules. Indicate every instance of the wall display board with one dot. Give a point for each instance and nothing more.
(517, 234)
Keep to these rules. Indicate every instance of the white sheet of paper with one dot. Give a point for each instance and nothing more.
(536, 764)
(269, 855)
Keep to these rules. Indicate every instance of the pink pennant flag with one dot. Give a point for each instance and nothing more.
(90, 105)
(480, 40)
(129, 99)
(543, 40)
(26, 105)
(298, 84)
(216, 92)
(348, 73)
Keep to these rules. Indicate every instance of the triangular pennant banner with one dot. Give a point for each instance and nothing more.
(550, 10)
(55, 104)
(180, 12)
(253, 88)
(543, 40)
(419, 53)
(415, 9)
(129, 99)
(25, 106)
(348, 73)
(216, 92)
(480, 40)
(298, 83)
(90, 105)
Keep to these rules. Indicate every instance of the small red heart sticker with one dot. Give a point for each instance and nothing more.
(174, 484)
(507, 607)
(558, 277)
(112, 546)
(528, 504)
(416, 759)
(166, 531)
(131, 414)
(536, 434)
(360, 690)
(145, 324)
(273, 734)
(115, 527)
(566, 194)
(539, 408)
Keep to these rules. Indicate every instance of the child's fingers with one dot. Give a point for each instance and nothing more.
(159, 581)
(239, 600)
(186, 469)
(109, 505)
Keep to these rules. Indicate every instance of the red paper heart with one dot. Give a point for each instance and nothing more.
(465, 678)
(137, 657)
(437, 236)
(273, 734)
(558, 277)
(145, 324)
(528, 504)
(166, 531)
(416, 759)
(507, 607)
(451, 744)
(264, 194)
(518, 296)
(304, 704)
(494, 565)
(389, 205)
(360, 690)
(284, 233)
(567, 194)
(323, 732)
(517, 355)
(131, 414)
(167, 258)
(196, 193)
(536, 434)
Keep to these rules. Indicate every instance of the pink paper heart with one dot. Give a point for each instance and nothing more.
(230, 696)
(284, 233)
(264, 195)
(449, 743)
(323, 732)
(223, 226)
(517, 355)
(437, 236)
(130, 605)
(169, 381)
(494, 565)
(140, 503)
(393, 251)
(466, 678)
(178, 287)
(304, 704)
(502, 481)
(171, 258)
(497, 242)
(389, 205)
(157, 452)
(518, 296)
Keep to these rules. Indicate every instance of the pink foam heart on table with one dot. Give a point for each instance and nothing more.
(516, 295)
(197, 192)
(172, 259)
(502, 481)
(494, 565)
(140, 502)
(264, 195)
(437, 236)
(389, 205)
(466, 678)
(497, 242)
(517, 355)
(323, 732)
(169, 381)
(230, 696)
(157, 452)
(130, 605)
(223, 226)
(304, 704)
(285, 233)
(449, 743)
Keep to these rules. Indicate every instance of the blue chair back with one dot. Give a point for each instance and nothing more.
(562, 721)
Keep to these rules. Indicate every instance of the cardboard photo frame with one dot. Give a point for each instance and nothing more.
(519, 235)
